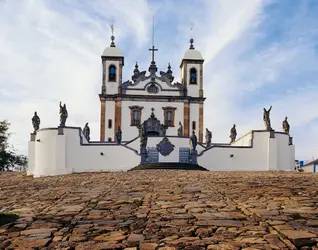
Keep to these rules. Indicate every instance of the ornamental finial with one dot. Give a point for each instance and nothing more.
(191, 39)
(112, 30)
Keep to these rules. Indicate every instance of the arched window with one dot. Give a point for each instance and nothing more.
(112, 73)
(193, 76)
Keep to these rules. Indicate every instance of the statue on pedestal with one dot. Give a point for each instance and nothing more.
(86, 132)
(63, 114)
(118, 135)
(193, 141)
(208, 137)
(266, 119)
(180, 129)
(143, 136)
(36, 122)
(143, 143)
(233, 133)
(286, 126)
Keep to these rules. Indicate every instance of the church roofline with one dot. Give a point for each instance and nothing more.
(163, 98)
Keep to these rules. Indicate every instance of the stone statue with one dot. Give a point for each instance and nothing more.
(208, 137)
(87, 132)
(286, 126)
(143, 136)
(266, 119)
(193, 141)
(233, 133)
(118, 135)
(63, 114)
(36, 122)
(180, 129)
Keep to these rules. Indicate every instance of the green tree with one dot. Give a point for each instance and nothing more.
(9, 160)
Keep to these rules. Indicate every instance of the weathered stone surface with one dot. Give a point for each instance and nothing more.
(148, 246)
(164, 210)
(115, 236)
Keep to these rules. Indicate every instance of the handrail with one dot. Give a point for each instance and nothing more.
(131, 141)
(134, 150)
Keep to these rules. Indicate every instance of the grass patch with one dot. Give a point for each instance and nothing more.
(7, 218)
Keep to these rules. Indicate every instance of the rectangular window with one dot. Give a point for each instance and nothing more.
(136, 118)
(193, 125)
(135, 115)
(169, 118)
(110, 123)
(169, 114)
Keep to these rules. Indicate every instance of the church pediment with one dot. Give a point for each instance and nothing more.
(152, 84)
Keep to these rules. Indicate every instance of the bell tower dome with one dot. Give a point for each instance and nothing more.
(112, 68)
(191, 68)
(113, 62)
(192, 71)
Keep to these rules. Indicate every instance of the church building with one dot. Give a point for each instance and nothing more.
(154, 122)
(127, 103)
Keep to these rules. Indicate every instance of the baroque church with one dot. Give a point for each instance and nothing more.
(154, 122)
(128, 103)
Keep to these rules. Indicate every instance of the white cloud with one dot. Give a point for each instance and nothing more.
(51, 52)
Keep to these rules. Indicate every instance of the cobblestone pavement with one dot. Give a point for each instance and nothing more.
(161, 210)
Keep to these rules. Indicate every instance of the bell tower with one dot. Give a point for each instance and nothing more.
(191, 68)
(112, 68)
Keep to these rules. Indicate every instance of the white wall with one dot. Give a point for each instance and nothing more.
(245, 140)
(61, 154)
(130, 132)
(286, 155)
(110, 114)
(31, 157)
(260, 157)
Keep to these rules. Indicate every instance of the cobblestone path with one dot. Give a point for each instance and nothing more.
(161, 210)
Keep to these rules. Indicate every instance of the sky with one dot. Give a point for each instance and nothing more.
(257, 53)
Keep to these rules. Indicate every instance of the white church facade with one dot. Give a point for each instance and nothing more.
(127, 104)
(150, 120)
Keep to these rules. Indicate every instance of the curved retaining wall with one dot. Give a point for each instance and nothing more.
(53, 154)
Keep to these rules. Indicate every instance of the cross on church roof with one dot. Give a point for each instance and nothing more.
(153, 53)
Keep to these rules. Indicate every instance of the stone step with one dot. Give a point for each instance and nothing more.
(169, 165)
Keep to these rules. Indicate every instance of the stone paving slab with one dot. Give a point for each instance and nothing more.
(161, 209)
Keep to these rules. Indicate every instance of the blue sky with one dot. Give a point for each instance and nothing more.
(257, 53)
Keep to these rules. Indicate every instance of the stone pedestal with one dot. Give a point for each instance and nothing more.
(32, 136)
(144, 155)
(194, 157)
(60, 130)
